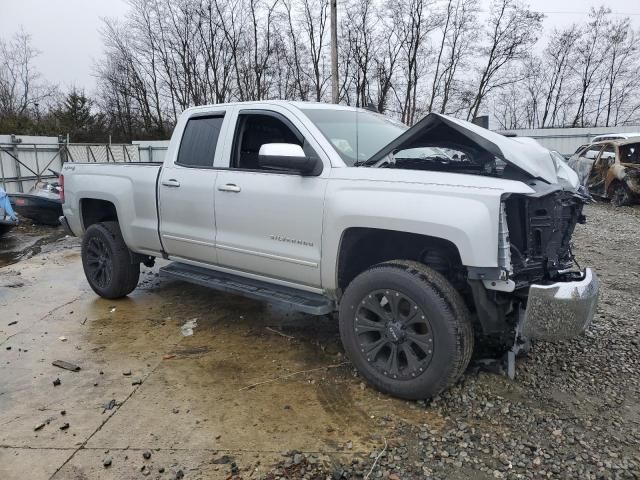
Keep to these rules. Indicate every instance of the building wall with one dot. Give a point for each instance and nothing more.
(567, 140)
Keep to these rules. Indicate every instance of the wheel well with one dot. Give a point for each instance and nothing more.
(362, 248)
(96, 211)
(612, 186)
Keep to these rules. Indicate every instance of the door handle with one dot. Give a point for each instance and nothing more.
(172, 182)
(229, 187)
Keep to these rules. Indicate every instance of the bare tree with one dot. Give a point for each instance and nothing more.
(459, 31)
(622, 62)
(408, 57)
(592, 51)
(558, 58)
(21, 87)
(414, 24)
(512, 28)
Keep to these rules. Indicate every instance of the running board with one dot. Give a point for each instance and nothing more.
(307, 302)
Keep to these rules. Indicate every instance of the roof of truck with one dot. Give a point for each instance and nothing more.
(294, 103)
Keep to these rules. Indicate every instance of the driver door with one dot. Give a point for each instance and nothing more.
(269, 223)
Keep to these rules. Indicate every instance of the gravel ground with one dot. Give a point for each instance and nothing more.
(571, 412)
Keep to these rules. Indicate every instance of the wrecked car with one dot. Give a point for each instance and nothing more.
(610, 169)
(422, 239)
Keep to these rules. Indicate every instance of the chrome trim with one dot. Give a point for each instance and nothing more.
(306, 263)
(561, 310)
(188, 240)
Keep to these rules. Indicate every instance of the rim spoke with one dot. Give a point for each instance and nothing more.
(413, 362)
(415, 316)
(367, 325)
(372, 304)
(372, 349)
(424, 342)
(394, 303)
(98, 276)
(392, 362)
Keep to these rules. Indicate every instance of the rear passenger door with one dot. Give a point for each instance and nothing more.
(186, 190)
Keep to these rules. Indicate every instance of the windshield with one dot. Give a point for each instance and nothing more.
(355, 136)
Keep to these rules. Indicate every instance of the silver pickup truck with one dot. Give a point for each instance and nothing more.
(424, 239)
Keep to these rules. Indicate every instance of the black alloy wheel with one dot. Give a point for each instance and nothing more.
(99, 262)
(394, 334)
(112, 270)
(406, 329)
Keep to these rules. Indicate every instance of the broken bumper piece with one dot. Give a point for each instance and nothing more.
(561, 310)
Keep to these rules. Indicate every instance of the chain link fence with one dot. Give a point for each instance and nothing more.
(22, 164)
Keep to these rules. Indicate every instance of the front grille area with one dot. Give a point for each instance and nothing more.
(540, 230)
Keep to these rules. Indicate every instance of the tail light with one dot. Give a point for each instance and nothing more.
(61, 182)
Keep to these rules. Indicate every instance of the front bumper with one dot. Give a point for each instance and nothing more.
(561, 310)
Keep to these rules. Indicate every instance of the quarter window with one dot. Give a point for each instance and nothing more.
(199, 140)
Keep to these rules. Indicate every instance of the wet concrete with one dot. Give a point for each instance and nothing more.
(187, 398)
(26, 240)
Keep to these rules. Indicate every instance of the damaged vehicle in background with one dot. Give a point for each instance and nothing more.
(423, 239)
(610, 169)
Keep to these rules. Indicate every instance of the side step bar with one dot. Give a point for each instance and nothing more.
(307, 302)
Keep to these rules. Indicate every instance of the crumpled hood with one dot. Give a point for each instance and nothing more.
(528, 156)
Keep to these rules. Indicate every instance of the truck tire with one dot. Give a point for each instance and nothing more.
(107, 261)
(620, 195)
(406, 329)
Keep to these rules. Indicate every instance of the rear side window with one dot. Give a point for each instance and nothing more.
(199, 140)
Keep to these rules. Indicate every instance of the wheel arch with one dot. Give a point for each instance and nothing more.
(363, 247)
(94, 210)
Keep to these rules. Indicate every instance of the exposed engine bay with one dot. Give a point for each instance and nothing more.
(540, 230)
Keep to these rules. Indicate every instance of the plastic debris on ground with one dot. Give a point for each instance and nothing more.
(187, 328)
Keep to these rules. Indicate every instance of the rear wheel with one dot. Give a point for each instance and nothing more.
(406, 329)
(621, 195)
(107, 261)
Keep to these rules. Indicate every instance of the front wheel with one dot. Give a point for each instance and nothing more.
(406, 329)
(107, 261)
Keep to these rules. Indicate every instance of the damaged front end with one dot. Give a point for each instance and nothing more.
(537, 291)
(557, 300)
(540, 293)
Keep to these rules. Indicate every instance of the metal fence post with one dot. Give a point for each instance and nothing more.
(16, 164)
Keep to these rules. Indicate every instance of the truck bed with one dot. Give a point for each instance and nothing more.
(131, 187)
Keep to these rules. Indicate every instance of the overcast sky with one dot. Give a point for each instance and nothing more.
(67, 32)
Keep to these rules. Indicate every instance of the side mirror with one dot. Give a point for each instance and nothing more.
(287, 156)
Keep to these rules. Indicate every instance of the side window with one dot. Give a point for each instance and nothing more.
(253, 131)
(630, 153)
(199, 140)
(608, 153)
(591, 152)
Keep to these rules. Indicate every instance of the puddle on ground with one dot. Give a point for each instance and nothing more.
(25, 241)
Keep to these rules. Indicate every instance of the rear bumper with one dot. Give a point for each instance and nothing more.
(561, 310)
